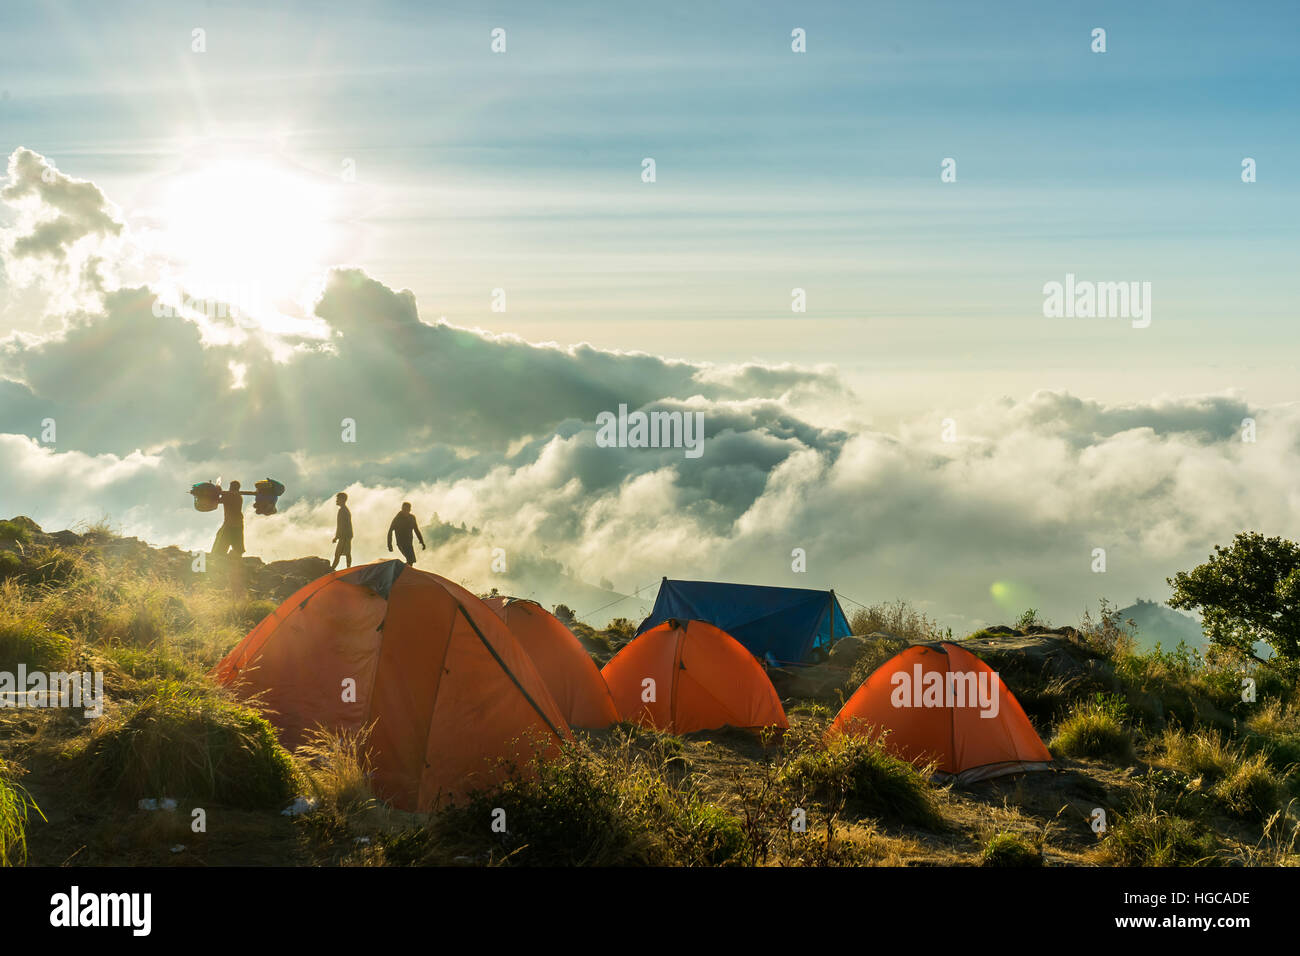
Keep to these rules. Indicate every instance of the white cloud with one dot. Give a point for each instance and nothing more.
(498, 434)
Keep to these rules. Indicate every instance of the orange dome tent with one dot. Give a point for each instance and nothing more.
(940, 702)
(449, 689)
(703, 679)
(570, 674)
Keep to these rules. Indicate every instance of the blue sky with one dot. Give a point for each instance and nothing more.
(775, 170)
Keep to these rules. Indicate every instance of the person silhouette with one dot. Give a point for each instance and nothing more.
(230, 536)
(404, 525)
(343, 532)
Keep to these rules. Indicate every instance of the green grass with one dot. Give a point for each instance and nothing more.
(188, 742)
(1095, 730)
(1148, 836)
(10, 565)
(1179, 686)
(15, 807)
(857, 774)
(607, 805)
(630, 795)
(1011, 849)
(26, 639)
(51, 566)
(1274, 730)
(1241, 782)
(12, 531)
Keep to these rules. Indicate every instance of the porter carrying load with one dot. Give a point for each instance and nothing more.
(207, 495)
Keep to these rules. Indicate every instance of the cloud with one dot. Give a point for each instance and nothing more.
(65, 210)
(56, 255)
(497, 437)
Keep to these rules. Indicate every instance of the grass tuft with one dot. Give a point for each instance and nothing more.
(857, 774)
(1095, 729)
(190, 743)
(15, 806)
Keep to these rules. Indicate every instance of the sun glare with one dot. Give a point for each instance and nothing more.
(246, 229)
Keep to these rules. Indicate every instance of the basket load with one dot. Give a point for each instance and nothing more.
(267, 493)
(207, 496)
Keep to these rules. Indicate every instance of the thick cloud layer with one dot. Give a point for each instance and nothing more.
(498, 438)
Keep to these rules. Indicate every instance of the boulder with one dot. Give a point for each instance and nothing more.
(847, 650)
(1058, 631)
(283, 578)
(815, 682)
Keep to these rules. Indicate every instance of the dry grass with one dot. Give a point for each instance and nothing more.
(336, 766)
(898, 618)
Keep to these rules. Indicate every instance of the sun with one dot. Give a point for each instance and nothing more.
(247, 229)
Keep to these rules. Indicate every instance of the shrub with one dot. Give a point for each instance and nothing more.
(1242, 783)
(715, 837)
(1144, 835)
(1011, 849)
(620, 631)
(188, 742)
(586, 807)
(53, 566)
(661, 744)
(1278, 841)
(1179, 684)
(1030, 619)
(1169, 791)
(1253, 790)
(1107, 633)
(25, 639)
(143, 664)
(247, 614)
(899, 619)
(1274, 730)
(1095, 729)
(856, 773)
(10, 565)
(13, 531)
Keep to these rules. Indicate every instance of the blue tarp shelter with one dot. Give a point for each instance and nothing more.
(786, 623)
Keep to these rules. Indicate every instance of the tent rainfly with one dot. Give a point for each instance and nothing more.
(451, 696)
(939, 702)
(784, 624)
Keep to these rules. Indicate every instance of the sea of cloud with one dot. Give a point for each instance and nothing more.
(1000, 509)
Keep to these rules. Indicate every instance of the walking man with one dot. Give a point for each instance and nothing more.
(343, 531)
(404, 525)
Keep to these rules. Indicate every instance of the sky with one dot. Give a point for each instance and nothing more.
(458, 249)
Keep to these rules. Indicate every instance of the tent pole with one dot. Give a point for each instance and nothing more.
(831, 611)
